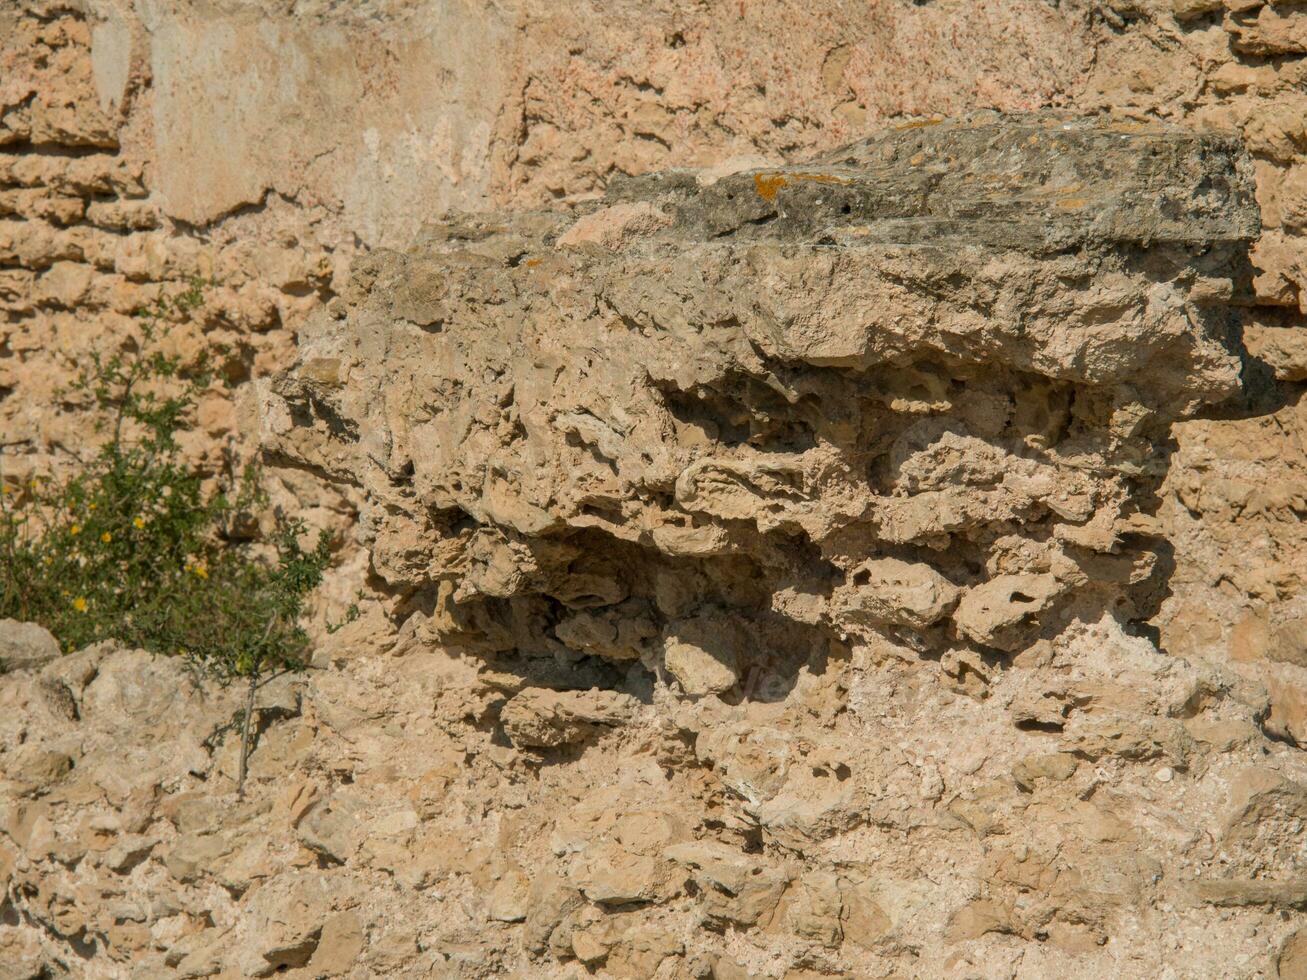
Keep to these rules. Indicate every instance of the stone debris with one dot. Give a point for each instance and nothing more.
(416, 842)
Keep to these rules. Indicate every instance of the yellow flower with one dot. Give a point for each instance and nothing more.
(106, 537)
(79, 604)
(90, 506)
(75, 529)
(139, 523)
(201, 569)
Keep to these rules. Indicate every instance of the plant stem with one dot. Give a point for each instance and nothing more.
(245, 734)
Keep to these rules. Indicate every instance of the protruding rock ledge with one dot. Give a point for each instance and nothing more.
(921, 388)
(1039, 182)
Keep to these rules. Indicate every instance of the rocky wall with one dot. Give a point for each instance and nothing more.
(919, 388)
(260, 146)
(779, 463)
(1103, 811)
(900, 773)
(1234, 504)
(86, 247)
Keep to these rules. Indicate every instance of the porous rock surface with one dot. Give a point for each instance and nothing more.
(261, 144)
(920, 388)
(1109, 809)
(306, 131)
(854, 697)
(918, 803)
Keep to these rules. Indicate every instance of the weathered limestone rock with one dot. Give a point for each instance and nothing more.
(920, 387)
(286, 922)
(25, 645)
(1000, 814)
(508, 902)
(744, 825)
(994, 610)
(328, 828)
(889, 591)
(704, 654)
(1292, 961)
(544, 719)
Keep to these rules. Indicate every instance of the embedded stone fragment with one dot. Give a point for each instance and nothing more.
(25, 645)
(508, 900)
(1054, 766)
(611, 874)
(614, 227)
(889, 591)
(550, 902)
(328, 828)
(994, 612)
(285, 923)
(1289, 642)
(543, 719)
(704, 654)
(739, 889)
(1242, 892)
(1292, 958)
(1283, 349)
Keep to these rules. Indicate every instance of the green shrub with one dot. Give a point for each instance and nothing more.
(131, 547)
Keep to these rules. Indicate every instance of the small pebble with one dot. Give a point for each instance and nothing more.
(1164, 774)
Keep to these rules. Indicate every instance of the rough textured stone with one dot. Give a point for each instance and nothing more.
(112, 128)
(1292, 961)
(696, 821)
(25, 645)
(958, 344)
(547, 719)
(907, 800)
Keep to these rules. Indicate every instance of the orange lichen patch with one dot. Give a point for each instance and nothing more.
(921, 123)
(1072, 203)
(768, 184)
(532, 263)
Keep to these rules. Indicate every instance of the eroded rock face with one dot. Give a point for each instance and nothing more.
(919, 388)
(1102, 803)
